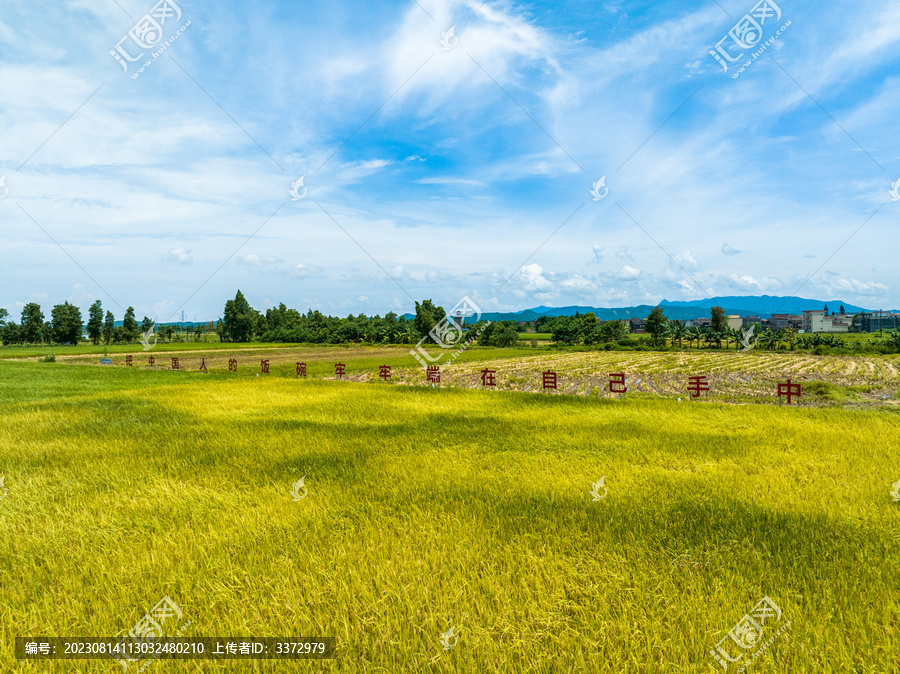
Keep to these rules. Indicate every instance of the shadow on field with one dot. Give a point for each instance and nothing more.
(693, 521)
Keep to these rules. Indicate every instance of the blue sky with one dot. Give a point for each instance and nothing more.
(435, 172)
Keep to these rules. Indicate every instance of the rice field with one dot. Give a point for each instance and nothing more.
(733, 376)
(436, 508)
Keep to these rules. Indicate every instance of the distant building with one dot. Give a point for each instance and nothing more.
(638, 325)
(819, 321)
(734, 322)
(779, 321)
(750, 320)
(878, 320)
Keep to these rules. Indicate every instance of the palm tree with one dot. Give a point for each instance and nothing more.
(678, 332)
(713, 337)
(694, 334)
(791, 336)
(728, 336)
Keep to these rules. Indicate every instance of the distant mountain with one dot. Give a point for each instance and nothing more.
(748, 305)
(765, 305)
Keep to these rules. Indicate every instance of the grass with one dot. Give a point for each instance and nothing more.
(436, 508)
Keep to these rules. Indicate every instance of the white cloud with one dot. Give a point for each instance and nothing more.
(627, 272)
(534, 280)
(686, 261)
(450, 181)
(747, 282)
(728, 250)
(180, 255)
(623, 254)
(254, 260)
(302, 271)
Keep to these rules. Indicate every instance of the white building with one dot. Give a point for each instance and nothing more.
(819, 321)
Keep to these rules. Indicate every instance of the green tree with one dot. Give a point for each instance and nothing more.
(567, 330)
(719, 322)
(612, 331)
(66, 323)
(32, 324)
(129, 326)
(657, 326)
(109, 328)
(693, 334)
(260, 326)
(95, 322)
(146, 325)
(679, 332)
(9, 331)
(239, 319)
(505, 334)
(713, 337)
(428, 315)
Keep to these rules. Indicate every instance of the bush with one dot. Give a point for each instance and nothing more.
(827, 391)
(49, 358)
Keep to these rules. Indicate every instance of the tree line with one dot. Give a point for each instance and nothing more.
(242, 323)
(66, 326)
(585, 329)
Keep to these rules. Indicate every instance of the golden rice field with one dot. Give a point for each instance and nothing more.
(732, 376)
(451, 507)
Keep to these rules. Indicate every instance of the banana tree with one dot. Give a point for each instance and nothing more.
(694, 335)
(678, 332)
(713, 337)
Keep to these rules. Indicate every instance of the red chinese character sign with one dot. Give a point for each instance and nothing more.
(175, 364)
(128, 361)
(203, 367)
(340, 370)
(488, 378)
(264, 366)
(696, 385)
(384, 371)
(549, 380)
(433, 374)
(788, 390)
(151, 361)
(617, 383)
(232, 365)
(301, 369)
